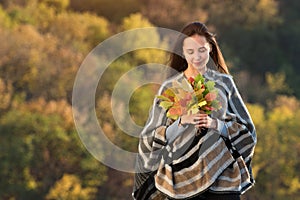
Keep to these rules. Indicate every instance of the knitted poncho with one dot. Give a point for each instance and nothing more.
(194, 163)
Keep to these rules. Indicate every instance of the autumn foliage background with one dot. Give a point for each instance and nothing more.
(43, 43)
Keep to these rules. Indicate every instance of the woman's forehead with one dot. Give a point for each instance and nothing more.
(195, 41)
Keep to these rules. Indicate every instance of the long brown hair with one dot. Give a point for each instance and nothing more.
(177, 60)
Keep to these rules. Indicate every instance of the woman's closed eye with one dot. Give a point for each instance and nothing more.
(190, 51)
(202, 49)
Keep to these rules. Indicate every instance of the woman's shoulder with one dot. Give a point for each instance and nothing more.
(221, 78)
(218, 75)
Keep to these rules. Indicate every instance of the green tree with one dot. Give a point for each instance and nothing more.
(59, 5)
(37, 65)
(40, 148)
(113, 11)
(79, 29)
(5, 21)
(69, 187)
(163, 13)
(276, 163)
(6, 91)
(140, 38)
(288, 33)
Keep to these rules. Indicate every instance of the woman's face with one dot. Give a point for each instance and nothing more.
(196, 51)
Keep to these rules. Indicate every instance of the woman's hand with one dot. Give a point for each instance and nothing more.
(200, 120)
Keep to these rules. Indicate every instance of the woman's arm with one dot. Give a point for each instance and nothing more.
(238, 125)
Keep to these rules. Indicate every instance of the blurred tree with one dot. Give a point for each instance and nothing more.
(140, 37)
(163, 13)
(276, 163)
(289, 41)
(5, 21)
(37, 65)
(6, 91)
(59, 5)
(79, 29)
(44, 50)
(69, 187)
(43, 147)
(246, 14)
(7, 3)
(111, 75)
(111, 10)
(246, 33)
(277, 83)
(67, 26)
(16, 154)
(17, 140)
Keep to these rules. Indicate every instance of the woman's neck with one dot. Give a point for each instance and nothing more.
(192, 72)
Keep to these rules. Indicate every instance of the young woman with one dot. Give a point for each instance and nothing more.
(174, 160)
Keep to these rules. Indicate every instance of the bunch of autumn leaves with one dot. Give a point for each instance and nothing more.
(189, 97)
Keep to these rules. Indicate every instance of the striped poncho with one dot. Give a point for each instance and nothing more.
(194, 163)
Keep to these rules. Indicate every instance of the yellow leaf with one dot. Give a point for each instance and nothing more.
(166, 104)
(202, 103)
(194, 110)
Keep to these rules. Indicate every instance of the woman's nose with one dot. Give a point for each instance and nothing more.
(197, 56)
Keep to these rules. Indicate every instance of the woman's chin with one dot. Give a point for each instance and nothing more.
(199, 67)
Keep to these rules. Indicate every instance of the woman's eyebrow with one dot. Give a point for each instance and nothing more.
(202, 47)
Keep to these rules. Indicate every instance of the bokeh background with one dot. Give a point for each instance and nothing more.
(43, 43)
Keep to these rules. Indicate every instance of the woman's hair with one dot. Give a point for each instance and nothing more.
(177, 60)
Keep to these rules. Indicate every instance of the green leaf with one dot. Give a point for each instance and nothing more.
(163, 98)
(199, 78)
(175, 117)
(198, 95)
(199, 84)
(208, 112)
(215, 104)
(210, 85)
(169, 92)
(166, 104)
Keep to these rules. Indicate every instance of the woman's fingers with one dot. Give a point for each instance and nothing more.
(196, 119)
(203, 121)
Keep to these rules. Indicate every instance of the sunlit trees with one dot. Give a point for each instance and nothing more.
(276, 163)
(69, 187)
(37, 61)
(43, 43)
(39, 145)
(173, 14)
(111, 10)
(5, 95)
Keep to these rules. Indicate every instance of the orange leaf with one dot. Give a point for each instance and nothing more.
(175, 111)
(210, 96)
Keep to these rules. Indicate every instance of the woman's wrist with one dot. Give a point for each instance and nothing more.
(214, 124)
(180, 122)
(183, 120)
